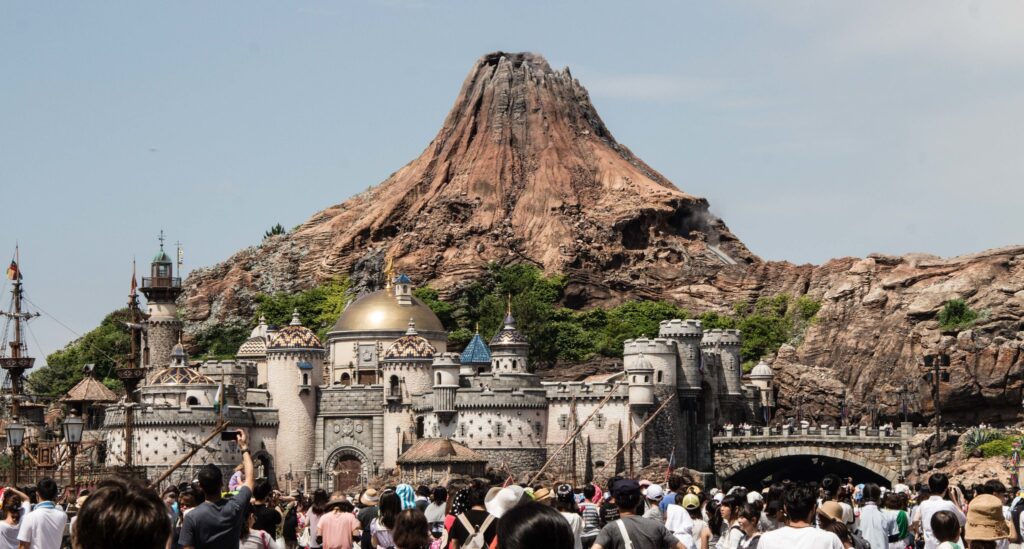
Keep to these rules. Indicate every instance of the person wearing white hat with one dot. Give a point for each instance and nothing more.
(654, 494)
(503, 500)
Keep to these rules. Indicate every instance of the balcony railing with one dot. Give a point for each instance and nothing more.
(161, 282)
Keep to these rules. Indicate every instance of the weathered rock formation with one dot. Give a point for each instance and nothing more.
(524, 169)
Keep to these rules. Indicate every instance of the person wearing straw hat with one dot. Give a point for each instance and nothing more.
(338, 526)
(986, 525)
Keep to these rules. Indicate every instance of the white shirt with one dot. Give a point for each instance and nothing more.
(924, 514)
(788, 537)
(43, 528)
(679, 522)
(576, 525)
(876, 526)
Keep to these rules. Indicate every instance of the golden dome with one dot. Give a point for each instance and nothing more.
(380, 311)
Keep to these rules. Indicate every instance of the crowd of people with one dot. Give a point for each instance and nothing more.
(623, 513)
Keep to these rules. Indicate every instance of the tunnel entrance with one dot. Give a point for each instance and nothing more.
(801, 468)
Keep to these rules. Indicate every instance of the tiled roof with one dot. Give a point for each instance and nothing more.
(439, 450)
(476, 352)
(291, 337)
(410, 346)
(90, 390)
(509, 335)
(403, 279)
(254, 347)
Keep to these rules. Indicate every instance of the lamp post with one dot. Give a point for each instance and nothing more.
(73, 427)
(15, 437)
(936, 371)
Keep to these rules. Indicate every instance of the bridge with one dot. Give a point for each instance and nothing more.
(752, 455)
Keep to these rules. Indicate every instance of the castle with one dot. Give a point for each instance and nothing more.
(383, 391)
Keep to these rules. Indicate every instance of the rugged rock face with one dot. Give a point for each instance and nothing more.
(524, 169)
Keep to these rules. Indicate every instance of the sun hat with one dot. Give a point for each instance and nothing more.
(831, 510)
(985, 520)
(369, 498)
(334, 502)
(504, 500)
(754, 497)
(901, 489)
(654, 492)
(691, 502)
(542, 495)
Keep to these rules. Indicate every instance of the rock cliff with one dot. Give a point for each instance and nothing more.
(524, 170)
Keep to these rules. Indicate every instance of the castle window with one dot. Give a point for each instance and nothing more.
(513, 364)
(419, 427)
(346, 379)
(438, 378)
(393, 385)
(462, 429)
(192, 401)
(599, 421)
(499, 429)
(305, 379)
(660, 376)
(563, 422)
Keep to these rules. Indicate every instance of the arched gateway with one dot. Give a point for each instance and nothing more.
(348, 467)
(758, 455)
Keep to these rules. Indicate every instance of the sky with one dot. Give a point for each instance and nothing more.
(815, 129)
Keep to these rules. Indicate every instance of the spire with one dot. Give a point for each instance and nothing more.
(295, 319)
(133, 293)
(510, 322)
(412, 327)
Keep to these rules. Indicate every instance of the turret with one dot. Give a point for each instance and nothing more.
(475, 358)
(446, 383)
(640, 376)
(687, 335)
(403, 290)
(509, 348)
(724, 345)
(161, 289)
(294, 372)
(660, 355)
(406, 369)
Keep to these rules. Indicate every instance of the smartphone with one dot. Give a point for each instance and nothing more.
(229, 436)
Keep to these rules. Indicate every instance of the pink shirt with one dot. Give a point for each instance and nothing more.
(337, 529)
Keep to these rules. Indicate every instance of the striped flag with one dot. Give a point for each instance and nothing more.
(219, 401)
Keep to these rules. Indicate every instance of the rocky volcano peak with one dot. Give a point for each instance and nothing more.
(523, 170)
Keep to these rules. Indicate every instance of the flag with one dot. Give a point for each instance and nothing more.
(13, 272)
(218, 400)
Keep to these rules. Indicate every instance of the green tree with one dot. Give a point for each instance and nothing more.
(319, 307)
(103, 346)
(273, 231)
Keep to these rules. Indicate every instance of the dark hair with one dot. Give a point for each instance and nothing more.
(995, 486)
(839, 528)
(534, 525)
(750, 511)
(799, 501)
(938, 483)
(345, 506)
(628, 500)
(262, 490)
(211, 480)
(676, 482)
(872, 493)
(12, 505)
(122, 514)
(830, 485)
(47, 489)
(733, 503)
(945, 526)
(247, 512)
(320, 499)
(477, 494)
(715, 520)
(411, 530)
(439, 495)
(422, 490)
(390, 507)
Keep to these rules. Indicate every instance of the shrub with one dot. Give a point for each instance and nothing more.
(273, 231)
(977, 437)
(957, 315)
(997, 448)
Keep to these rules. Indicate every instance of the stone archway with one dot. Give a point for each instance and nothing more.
(348, 466)
(733, 468)
(263, 463)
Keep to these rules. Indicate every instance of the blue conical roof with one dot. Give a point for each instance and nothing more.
(476, 352)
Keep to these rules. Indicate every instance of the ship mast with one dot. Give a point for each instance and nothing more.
(131, 372)
(18, 362)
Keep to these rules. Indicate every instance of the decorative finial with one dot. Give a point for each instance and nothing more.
(161, 239)
(389, 272)
(412, 327)
(135, 284)
(295, 319)
(508, 307)
(478, 326)
(263, 320)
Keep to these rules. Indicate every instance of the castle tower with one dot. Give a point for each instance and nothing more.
(475, 358)
(406, 369)
(161, 289)
(403, 290)
(691, 383)
(762, 377)
(721, 356)
(640, 376)
(509, 348)
(665, 434)
(446, 383)
(294, 371)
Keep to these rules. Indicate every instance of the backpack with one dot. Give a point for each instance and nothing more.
(1015, 513)
(476, 537)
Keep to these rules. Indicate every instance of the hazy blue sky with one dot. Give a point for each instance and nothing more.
(815, 129)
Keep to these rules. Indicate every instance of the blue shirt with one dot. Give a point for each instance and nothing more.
(669, 499)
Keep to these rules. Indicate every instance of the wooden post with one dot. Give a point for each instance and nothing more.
(638, 431)
(189, 455)
(576, 432)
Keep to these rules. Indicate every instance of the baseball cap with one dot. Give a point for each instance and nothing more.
(654, 492)
(691, 502)
(624, 487)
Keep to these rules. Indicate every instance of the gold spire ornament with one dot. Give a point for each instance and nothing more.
(389, 272)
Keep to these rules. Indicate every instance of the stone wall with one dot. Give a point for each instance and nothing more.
(161, 336)
(516, 461)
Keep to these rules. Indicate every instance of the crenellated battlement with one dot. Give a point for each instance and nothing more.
(643, 345)
(674, 328)
(721, 338)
